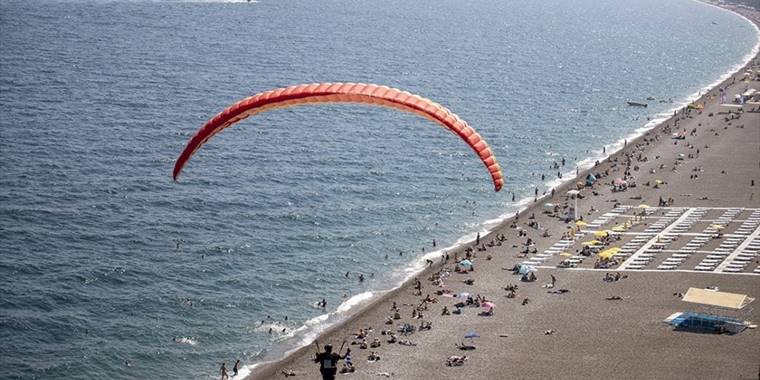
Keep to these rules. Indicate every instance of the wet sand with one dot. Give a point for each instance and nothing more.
(594, 337)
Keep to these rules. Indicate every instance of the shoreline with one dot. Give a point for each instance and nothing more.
(361, 309)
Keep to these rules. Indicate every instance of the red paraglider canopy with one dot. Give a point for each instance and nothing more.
(343, 93)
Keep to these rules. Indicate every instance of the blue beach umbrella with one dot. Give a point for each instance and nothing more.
(526, 269)
(466, 263)
(471, 335)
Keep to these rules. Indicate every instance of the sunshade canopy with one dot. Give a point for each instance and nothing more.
(609, 252)
(713, 298)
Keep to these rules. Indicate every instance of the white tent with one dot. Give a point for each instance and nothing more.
(714, 298)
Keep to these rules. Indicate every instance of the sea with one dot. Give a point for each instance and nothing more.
(111, 270)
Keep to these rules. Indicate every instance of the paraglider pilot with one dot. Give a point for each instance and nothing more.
(328, 361)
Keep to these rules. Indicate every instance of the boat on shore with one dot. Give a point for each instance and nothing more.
(637, 104)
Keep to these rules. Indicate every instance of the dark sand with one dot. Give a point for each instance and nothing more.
(595, 338)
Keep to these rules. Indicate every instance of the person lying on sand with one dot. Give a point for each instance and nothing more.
(455, 361)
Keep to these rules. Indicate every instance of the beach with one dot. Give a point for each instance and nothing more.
(712, 168)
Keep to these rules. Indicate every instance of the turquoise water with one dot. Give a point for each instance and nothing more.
(98, 98)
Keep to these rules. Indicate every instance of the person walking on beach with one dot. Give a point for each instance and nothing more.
(223, 372)
(236, 368)
(328, 362)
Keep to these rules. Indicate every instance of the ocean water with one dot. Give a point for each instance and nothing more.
(98, 98)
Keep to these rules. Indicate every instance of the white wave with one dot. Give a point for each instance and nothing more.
(354, 301)
(277, 327)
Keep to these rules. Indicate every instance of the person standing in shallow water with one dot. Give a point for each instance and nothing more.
(236, 368)
(223, 372)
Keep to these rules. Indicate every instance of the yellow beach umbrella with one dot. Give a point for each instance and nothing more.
(718, 226)
(566, 254)
(658, 181)
(592, 242)
(619, 229)
(601, 234)
(581, 223)
(644, 206)
(609, 252)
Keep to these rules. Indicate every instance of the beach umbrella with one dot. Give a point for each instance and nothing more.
(581, 223)
(466, 263)
(592, 242)
(619, 182)
(566, 254)
(463, 295)
(471, 335)
(609, 252)
(618, 229)
(601, 234)
(487, 305)
(524, 269)
(644, 206)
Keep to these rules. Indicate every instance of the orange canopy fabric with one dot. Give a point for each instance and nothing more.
(371, 94)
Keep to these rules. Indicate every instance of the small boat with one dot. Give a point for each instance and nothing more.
(637, 104)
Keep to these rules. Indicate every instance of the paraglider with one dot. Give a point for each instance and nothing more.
(370, 94)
